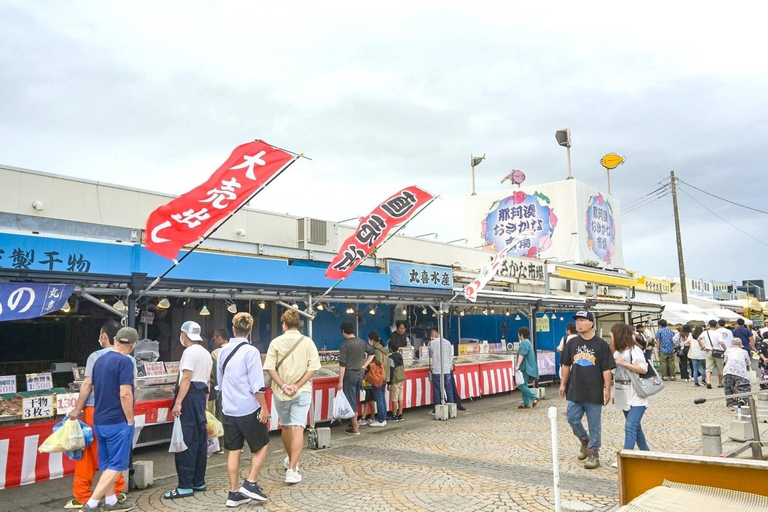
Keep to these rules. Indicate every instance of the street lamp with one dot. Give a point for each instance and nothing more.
(563, 138)
(475, 160)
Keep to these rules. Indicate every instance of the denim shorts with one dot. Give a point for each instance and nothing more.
(114, 442)
(294, 412)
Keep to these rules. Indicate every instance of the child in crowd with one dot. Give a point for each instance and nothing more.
(396, 380)
(369, 405)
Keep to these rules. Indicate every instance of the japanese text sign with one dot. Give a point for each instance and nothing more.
(37, 407)
(190, 217)
(413, 275)
(524, 269)
(154, 369)
(7, 384)
(172, 367)
(656, 285)
(39, 381)
(374, 228)
(19, 301)
(65, 402)
(517, 214)
(601, 228)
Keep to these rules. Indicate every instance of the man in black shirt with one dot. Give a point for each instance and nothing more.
(354, 357)
(587, 363)
(399, 338)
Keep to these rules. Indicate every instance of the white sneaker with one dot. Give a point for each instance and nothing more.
(377, 424)
(287, 463)
(292, 477)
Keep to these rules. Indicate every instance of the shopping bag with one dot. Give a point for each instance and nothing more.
(341, 408)
(213, 426)
(67, 435)
(213, 445)
(177, 438)
(519, 379)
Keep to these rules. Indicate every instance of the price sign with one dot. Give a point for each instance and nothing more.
(37, 407)
(38, 381)
(147, 317)
(154, 369)
(65, 402)
(172, 368)
(8, 384)
(542, 324)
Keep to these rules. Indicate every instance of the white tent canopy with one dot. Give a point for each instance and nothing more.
(728, 315)
(680, 314)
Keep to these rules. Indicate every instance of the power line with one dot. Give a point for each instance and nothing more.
(724, 199)
(722, 219)
(646, 203)
(640, 195)
(641, 200)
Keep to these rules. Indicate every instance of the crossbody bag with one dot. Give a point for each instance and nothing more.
(716, 352)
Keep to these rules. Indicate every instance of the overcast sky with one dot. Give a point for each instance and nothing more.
(156, 95)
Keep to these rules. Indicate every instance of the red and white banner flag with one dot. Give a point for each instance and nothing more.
(489, 269)
(374, 228)
(190, 217)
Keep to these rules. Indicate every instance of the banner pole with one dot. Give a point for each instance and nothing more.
(399, 228)
(200, 242)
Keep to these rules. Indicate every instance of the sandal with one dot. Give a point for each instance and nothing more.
(198, 488)
(175, 494)
(352, 432)
(533, 404)
(523, 406)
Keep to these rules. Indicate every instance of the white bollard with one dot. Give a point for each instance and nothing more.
(552, 413)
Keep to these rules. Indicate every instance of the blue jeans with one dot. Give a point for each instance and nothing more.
(381, 403)
(633, 431)
(594, 412)
(528, 395)
(699, 368)
(436, 389)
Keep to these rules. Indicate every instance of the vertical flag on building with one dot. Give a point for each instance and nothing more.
(374, 228)
(192, 216)
(489, 269)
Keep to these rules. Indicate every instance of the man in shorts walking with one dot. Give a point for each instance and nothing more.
(291, 361)
(241, 381)
(113, 424)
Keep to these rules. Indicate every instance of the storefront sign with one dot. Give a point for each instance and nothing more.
(723, 295)
(542, 324)
(154, 369)
(742, 295)
(147, 317)
(656, 285)
(522, 269)
(329, 357)
(39, 381)
(37, 407)
(8, 384)
(520, 214)
(413, 275)
(172, 367)
(19, 301)
(65, 402)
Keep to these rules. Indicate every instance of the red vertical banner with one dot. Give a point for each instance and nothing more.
(374, 228)
(191, 216)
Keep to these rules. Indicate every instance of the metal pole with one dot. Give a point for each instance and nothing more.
(608, 173)
(757, 448)
(312, 311)
(440, 344)
(552, 413)
(570, 177)
(680, 262)
(472, 163)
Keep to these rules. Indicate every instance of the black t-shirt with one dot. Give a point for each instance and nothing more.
(588, 360)
(397, 340)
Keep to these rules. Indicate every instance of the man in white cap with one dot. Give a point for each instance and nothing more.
(587, 363)
(189, 406)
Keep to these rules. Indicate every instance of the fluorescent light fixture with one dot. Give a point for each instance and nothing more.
(204, 311)
(231, 306)
(164, 303)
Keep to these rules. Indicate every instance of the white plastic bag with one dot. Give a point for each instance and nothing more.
(341, 408)
(177, 438)
(519, 379)
(213, 445)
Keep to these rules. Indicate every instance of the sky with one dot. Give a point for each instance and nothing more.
(155, 95)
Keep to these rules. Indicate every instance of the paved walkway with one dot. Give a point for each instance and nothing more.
(492, 457)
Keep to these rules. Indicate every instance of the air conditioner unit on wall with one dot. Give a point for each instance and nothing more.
(313, 231)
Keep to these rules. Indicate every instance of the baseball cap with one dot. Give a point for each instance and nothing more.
(585, 314)
(127, 335)
(192, 329)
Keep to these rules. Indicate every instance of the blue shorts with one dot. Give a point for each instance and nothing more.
(294, 412)
(115, 442)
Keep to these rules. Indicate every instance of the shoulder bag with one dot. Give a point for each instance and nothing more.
(716, 352)
(647, 384)
(267, 377)
(376, 372)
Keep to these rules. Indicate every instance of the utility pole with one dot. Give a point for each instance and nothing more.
(681, 264)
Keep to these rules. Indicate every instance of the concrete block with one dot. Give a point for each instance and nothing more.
(741, 431)
(541, 392)
(143, 474)
(441, 412)
(711, 441)
(452, 410)
(324, 437)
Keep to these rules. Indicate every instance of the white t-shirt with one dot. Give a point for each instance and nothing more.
(624, 392)
(198, 360)
(726, 336)
(563, 341)
(696, 351)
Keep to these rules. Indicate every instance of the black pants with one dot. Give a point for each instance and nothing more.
(683, 365)
(456, 396)
(192, 462)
